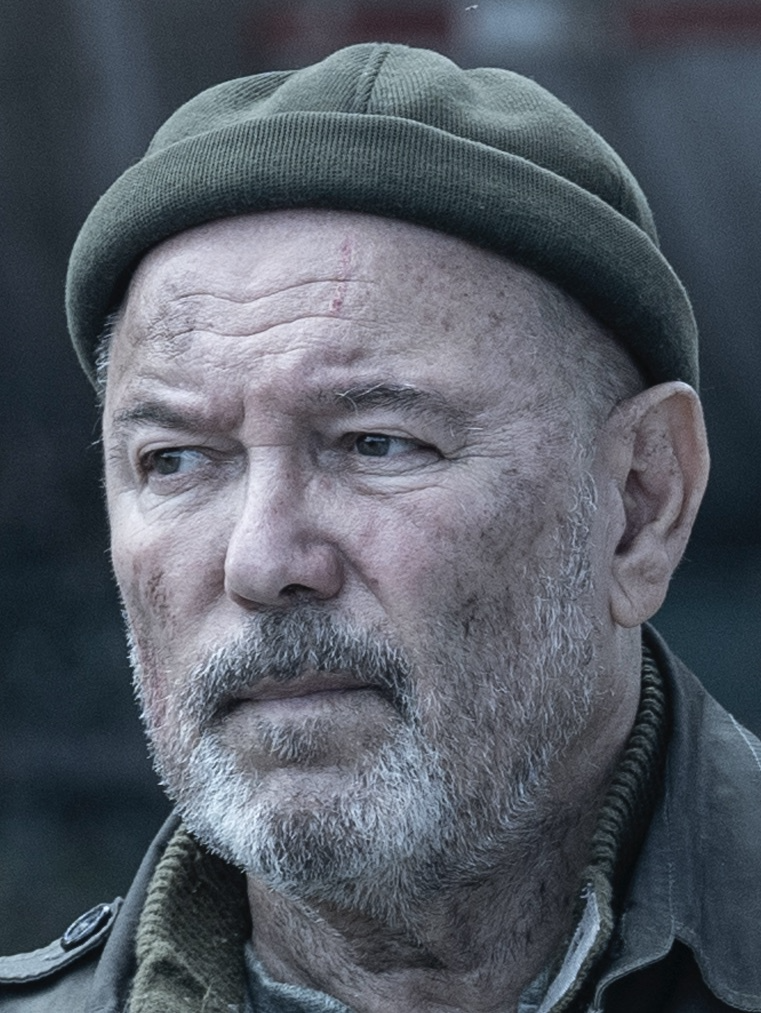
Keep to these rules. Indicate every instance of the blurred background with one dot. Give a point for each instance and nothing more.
(675, 85)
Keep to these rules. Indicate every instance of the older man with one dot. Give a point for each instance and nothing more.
(402, 447)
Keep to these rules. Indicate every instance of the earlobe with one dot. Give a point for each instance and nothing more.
(662, 457)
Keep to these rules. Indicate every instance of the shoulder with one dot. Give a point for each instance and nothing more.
(90, 966)
(698, 877)
(58, 976)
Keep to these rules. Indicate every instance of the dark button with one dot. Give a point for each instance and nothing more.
(86, 926)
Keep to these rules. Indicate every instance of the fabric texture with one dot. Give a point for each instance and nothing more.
(486, 155)
(264, 995)
(193, 928)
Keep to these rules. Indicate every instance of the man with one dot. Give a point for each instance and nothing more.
(402, 447)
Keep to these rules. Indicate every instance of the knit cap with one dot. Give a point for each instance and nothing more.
(484, 154)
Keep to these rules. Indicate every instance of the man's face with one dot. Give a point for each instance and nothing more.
(354, 531)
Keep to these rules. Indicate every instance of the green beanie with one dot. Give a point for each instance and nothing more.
(486, 155)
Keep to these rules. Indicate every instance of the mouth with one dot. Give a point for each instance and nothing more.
(314, 690)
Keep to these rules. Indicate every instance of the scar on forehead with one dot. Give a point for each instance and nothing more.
(338, 299)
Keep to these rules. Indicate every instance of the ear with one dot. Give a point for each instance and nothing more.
(659, 454)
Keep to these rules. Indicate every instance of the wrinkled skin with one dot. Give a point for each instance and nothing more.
(316, 413)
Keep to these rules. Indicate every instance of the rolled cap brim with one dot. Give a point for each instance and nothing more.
(484, 155)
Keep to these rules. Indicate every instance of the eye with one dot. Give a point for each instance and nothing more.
(380, 445)
(173, 461)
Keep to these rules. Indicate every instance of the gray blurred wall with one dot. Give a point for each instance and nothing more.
(675, 86)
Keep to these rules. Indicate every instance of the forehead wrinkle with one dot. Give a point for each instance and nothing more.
(176, 320)
(255, 296)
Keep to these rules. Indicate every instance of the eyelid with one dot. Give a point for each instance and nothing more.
(168, 451)
(405, 453)
(203, 459)
(423, 429)
(146, 459)
(166, 443)
(352, 437)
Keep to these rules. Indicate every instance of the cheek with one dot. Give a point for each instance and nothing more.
(157, 595)
(168, 575)
(143, 583)
(438, 557)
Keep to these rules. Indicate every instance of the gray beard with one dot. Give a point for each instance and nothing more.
(441, 801)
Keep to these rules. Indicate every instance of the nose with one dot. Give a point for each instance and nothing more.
(279, 548)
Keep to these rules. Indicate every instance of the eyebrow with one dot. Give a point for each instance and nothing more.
(153, 413)
(411, 400)
(157, 413)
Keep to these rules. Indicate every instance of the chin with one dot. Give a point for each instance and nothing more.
(359, 836)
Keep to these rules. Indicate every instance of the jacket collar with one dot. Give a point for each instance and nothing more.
(705, 896)
(698, 874)
(116, 967)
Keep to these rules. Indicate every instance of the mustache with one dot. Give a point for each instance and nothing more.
(281, 648)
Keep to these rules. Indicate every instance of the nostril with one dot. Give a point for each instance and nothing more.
(260, 573)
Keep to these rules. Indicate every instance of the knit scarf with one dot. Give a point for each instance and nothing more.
(195, 922)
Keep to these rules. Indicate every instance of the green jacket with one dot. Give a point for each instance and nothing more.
(688, 939)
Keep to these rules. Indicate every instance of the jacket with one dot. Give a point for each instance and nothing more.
(688, 939)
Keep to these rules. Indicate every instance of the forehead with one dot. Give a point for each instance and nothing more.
(327, 291)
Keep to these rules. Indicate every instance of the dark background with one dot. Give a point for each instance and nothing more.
(675, 86)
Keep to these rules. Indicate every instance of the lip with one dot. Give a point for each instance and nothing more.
(313, 687)
(298, 701)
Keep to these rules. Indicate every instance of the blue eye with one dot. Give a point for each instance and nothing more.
(374, 444)
(380, 445)
(174, 461)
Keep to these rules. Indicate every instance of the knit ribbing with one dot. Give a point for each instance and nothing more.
(624, 818)
(192, 932)
(636, 784)
(485, 155)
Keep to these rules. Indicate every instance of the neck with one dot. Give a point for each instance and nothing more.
(472, 948)
(475, 946)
